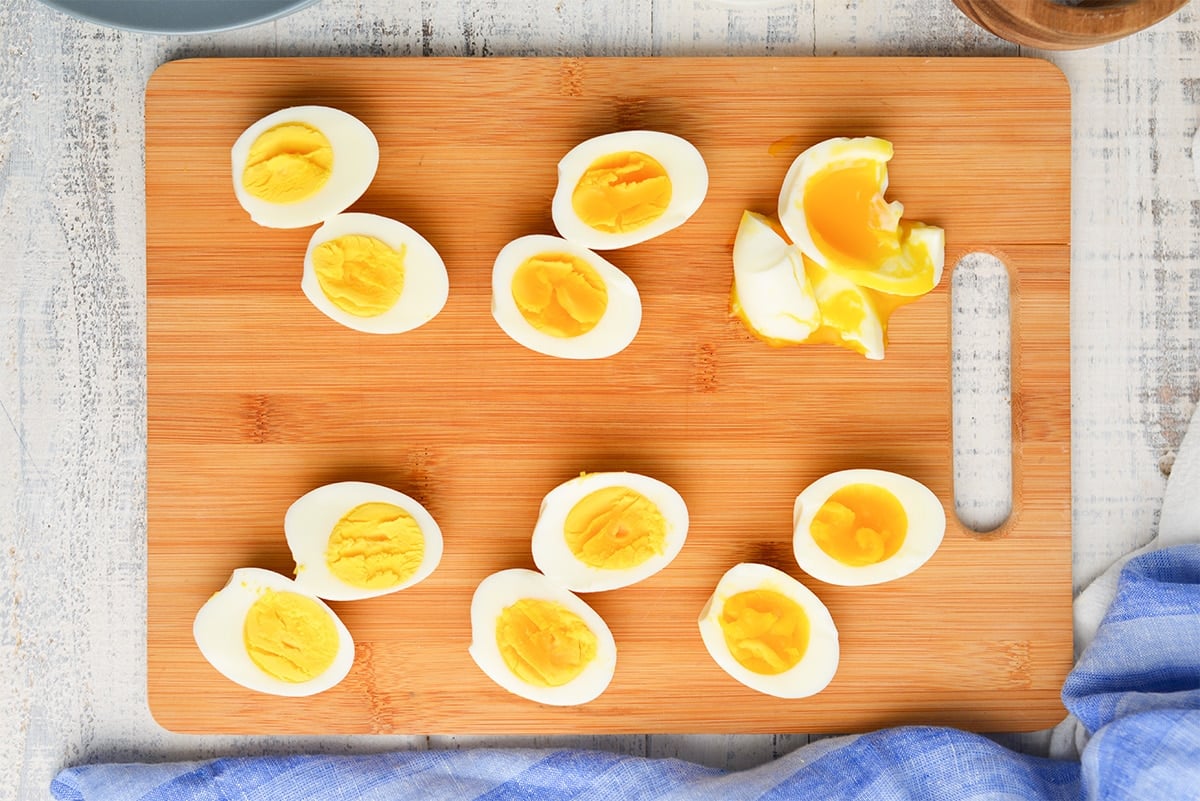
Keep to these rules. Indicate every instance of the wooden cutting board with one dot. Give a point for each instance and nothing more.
(255, 398)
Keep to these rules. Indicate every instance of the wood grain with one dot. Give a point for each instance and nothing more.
(255, 398)
(1054, 25)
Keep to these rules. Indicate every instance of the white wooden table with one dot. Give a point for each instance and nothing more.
(72, 321)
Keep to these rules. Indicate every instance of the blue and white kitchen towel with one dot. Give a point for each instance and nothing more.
(1134, 731)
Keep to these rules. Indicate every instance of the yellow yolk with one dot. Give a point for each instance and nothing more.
(622, 192)
(860, 524)
(543, 642)
(288, 163)
(375, 546)
(360, 274)
(615, 528)
(844, 204)
(559, 294)
(766, 631)
(289, 636)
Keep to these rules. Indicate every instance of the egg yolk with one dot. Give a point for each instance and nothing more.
(544, 643)
(288, 163)
(622, 192)
(615, 528)
(766, 631)
(289, 636)
(860, 524)
(559, 294)
(360, 274)
(375, 545)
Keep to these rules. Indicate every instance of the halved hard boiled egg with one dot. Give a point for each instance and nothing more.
(770, 632)
(374, 274)
(265, 633)
(772, 293)
(538, 640)
(601, 531)
(300, 166)
(558, 298)
(858, 527)
(832, 207)
(356, 540)
(624, 188)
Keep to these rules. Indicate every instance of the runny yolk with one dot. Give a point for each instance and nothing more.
(375, 545)
(844, 205)
(544, 643)
(615, 528)
(288, 163)
(559, 294)
(860, 524)
(289, 636)
(622, 192)
(766, 631)
(360, 274)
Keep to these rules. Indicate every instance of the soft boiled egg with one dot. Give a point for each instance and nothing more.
(265, 633)
(601, 531)
(772, 293)
(770, 632)
(857, 527)
(850, 316)
(300, 166)
(832, 207)
(558, 298)
(538, 640)
(623, 188)
(356, 540)
(374, 274)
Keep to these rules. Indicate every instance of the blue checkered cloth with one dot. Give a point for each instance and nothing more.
(1136, 690)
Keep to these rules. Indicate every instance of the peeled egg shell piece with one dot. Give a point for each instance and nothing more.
(680, 159)
(612, 334)
(355, 161)
(807, 164)
(926, 528)
(217, 630)
(426, 283)
(501, 590)
(815, 669)
(554, 557)
(310, 520)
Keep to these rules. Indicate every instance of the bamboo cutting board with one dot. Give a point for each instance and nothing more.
(255, 397)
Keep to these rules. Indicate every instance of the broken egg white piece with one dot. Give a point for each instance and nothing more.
(624, 188)
(770, 632)
(374, 274)
(355, 540)
(772, 293)
(265, 633)
(602, 531)
(300, 166)
(538, 640)
(558, 298)
(859, 527)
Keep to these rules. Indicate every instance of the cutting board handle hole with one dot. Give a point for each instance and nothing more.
(981, 380)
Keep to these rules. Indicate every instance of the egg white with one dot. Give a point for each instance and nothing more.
(217, 631)
(815, 669)
(501, 590)
(426, 284)
(310, 520)
(611, 334)
(771, 287)
(355, 161)
(926, 528)
(554, 557)
(679, 158)
(870, 334)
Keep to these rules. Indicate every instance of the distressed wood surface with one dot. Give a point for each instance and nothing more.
(72, 316)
